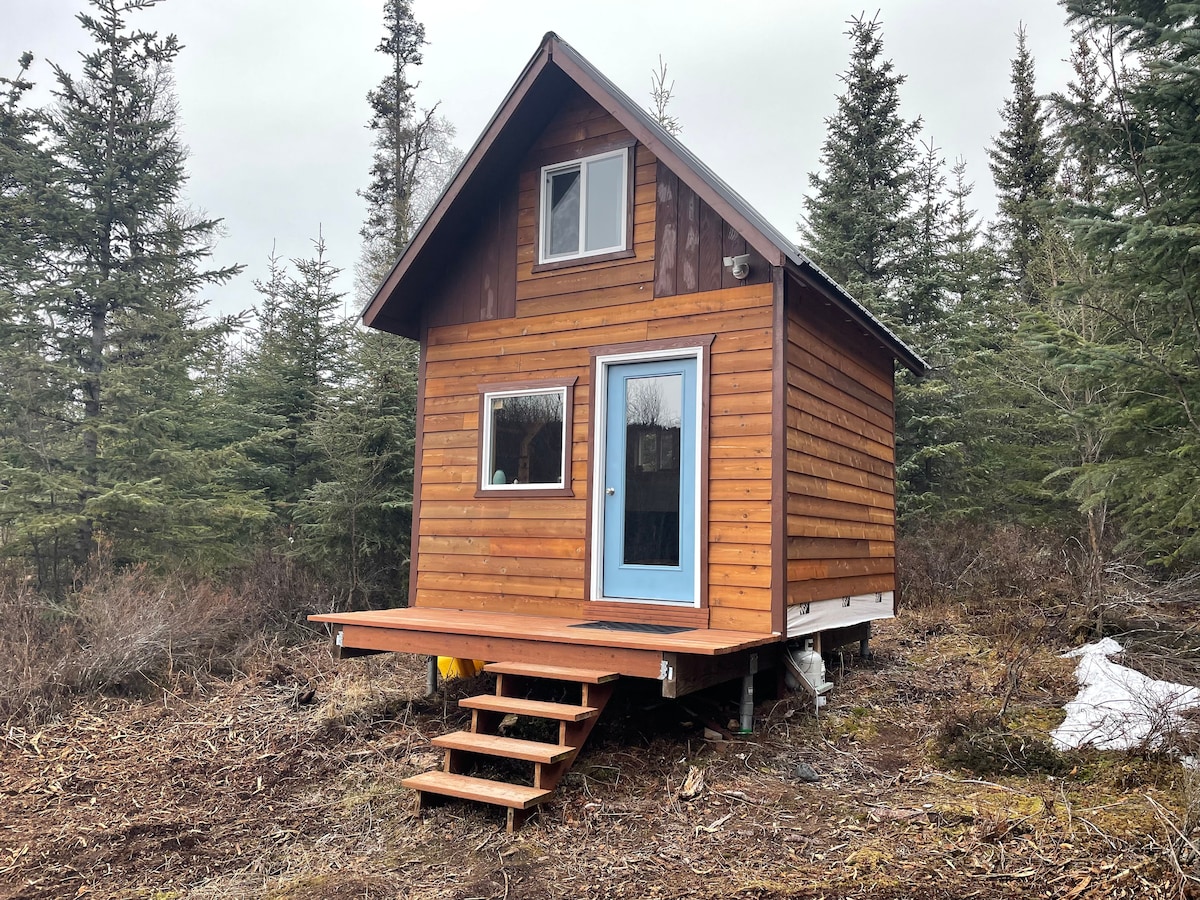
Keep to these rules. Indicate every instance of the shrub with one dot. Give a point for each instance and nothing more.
(131, 629)
(979, 742)
(939, 564)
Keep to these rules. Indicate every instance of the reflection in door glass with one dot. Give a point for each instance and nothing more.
(653, 412)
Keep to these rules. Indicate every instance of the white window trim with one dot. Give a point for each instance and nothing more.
(544, 200)
(489, 465)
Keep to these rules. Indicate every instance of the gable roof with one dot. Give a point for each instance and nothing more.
(554, 69)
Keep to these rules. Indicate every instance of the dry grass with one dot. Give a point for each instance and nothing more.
(243, 789)
(132, 631)
(969, 564)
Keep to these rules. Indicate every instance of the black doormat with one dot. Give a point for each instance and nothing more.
(634, 626)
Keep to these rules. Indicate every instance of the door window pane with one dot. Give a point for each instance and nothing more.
(605, 192)
(653, 414)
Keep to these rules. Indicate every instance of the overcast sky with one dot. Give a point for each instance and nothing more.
(272, 92)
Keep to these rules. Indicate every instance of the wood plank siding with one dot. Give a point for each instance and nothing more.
(693, 241)
(528, 554)
(480, 283)
(841, 510)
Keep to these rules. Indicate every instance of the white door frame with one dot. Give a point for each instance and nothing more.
(599, 449)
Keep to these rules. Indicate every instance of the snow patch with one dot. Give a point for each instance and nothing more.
(1118, 708)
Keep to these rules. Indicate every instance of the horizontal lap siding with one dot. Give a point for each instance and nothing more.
(739, 465)
(527, 554)
(841, 509)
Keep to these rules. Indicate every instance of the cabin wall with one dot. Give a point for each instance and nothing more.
(480, 282)
(840, 434)
(528, 554)
(693, 241)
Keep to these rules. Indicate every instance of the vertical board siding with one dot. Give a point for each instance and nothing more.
(841, 509)
(710, 262)
(693, 241)
(666, 228)
(481, 285)
(687, 258)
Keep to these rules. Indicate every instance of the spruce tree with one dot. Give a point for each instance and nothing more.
(1023, 168)
(966, 267)
(921, 301)
(1138, 237)
(105, 344)
(359, 519)
(858, 222)
(928, 449)
(38, 517)
(134, 262)
(296, 367)
(401, 135)
(1081, 119)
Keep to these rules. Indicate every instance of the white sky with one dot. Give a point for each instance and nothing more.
(272, 93)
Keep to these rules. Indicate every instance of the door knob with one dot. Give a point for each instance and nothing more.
(610, 491)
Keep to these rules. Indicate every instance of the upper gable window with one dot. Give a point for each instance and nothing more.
(584, 207)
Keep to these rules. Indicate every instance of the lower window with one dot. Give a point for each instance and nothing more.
(524, 439)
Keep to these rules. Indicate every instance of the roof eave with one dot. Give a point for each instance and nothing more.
(454, 186)
(764, 238)
(811, 274)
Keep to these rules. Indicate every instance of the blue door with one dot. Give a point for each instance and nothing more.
(650, 466)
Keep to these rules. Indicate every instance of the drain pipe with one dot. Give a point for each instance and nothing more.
(431, 676)
(746, 708)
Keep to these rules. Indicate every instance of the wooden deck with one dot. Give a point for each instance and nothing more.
(683, 661)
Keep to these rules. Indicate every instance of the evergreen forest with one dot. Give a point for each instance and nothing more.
(171, 480)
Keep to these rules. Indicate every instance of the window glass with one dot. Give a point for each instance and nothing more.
(653, 487)
(564, 212)
(583, 207)
(605, 192)
(526, 439)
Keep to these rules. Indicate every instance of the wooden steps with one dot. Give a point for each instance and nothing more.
(509, 748)
(464, 749)
(563, 712)
(531, 670)
(482, 790)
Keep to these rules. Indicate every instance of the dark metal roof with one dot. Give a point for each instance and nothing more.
(555, 53)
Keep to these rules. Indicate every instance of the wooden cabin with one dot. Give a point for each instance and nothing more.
(654, 439)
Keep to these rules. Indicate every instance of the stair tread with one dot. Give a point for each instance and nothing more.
(510, 748)
(481, 790)
(556, 673)
(566, 712)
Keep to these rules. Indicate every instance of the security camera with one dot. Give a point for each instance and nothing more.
(739, 266)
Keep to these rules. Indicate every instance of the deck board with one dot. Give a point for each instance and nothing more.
(549, 629)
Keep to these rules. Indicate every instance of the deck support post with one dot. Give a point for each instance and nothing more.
(864, 645)
(431, 676)
(747, 705)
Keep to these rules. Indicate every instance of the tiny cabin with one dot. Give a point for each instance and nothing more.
(654, 439)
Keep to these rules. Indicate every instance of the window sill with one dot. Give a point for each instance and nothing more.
(576, 261)
(525, 493)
